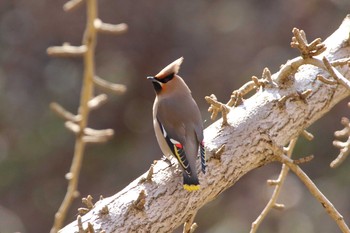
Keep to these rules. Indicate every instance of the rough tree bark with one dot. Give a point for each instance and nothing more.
(256, 130)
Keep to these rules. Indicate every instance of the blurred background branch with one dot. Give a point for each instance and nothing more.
(78, 123)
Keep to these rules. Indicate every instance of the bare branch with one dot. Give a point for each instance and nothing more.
(331, 210)
(278, 185)
(78, 124)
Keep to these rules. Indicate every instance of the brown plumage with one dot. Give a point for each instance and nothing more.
(177, 122)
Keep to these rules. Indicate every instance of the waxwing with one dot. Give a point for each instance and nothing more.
(178, 123)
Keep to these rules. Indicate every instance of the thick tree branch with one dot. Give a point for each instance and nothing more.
(254, 131)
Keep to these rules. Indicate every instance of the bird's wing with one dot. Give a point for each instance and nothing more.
(176, 148)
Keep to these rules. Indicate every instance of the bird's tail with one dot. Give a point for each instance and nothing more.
(191, 183)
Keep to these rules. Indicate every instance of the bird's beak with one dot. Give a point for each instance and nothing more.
(150, 78)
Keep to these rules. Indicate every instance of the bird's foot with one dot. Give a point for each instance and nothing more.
(167, 160)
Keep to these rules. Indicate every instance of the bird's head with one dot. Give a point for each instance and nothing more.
(167, 81)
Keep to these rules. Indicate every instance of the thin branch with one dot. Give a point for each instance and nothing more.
(89, 43)
(331, 210)
(78, 124)
(278, 185)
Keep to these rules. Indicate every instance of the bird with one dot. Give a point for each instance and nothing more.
(178, 123)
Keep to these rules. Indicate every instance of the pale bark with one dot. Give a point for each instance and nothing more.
(256, 131)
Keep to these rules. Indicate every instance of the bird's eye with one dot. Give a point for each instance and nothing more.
(167, 78)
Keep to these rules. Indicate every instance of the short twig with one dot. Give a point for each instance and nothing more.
(246, 88)
(87, 201)
(303, 160)
(218, 152)
(80, 225)
(306, 49)
(343, 146)
(189, 225)
(104, 210)
(326, 80)
(216, 106)
(63, 113)
(150, 173)
(67, 50)
(341, 62)
(116, 29)
(266, 74)
(97, 101)
(235, 100)
(90, 228)
(296, 96)
(307, 135)
(140, 202)
(108, 86)
(72, 5)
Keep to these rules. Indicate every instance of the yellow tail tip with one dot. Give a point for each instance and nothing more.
(191, 187)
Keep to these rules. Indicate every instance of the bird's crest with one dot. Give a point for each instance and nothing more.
(172, 68)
